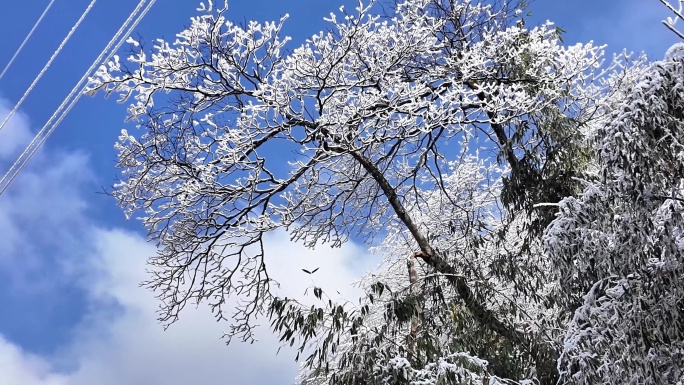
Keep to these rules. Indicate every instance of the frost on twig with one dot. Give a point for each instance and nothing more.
(618, 246)
(671, 21)
(433, 128)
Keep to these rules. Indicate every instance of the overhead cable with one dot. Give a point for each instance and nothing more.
(48, 64)
(23, 43)
(112, 47)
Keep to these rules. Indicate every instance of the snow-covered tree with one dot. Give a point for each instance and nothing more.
(418, 326)
(439, 132)
(619, 246)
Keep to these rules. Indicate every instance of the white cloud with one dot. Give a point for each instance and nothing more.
(337, 268)
(15, 134)
(42, 205)
(133, 349)
(119, 341)
(128, 346)
(20, 367)
(39, 212)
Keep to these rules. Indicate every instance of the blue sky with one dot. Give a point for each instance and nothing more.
(69, 261)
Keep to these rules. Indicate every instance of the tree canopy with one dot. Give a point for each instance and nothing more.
(525, 195)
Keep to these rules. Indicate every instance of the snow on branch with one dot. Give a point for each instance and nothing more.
(671, 22)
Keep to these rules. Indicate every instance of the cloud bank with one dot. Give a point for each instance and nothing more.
(48, 242)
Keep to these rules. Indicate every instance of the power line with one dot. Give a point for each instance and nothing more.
(48, 64)
(23, 43)
(75, 94)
